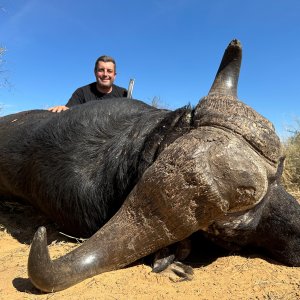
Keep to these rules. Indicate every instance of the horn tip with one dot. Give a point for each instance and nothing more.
(41, 232)
(235, 43)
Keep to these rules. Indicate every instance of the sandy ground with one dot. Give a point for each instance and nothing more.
(217, 275)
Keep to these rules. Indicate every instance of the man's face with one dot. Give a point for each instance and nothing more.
(105, 73)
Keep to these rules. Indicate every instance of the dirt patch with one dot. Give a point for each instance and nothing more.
(215, 277)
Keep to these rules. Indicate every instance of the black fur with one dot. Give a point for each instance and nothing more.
(78, 166)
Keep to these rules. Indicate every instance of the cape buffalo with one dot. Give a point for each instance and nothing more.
(149, 178)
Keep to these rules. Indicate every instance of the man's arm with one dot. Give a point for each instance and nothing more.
(74, 100)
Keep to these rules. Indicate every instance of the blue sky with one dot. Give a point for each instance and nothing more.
(171, 47)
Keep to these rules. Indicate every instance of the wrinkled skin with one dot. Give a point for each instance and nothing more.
(219, 173)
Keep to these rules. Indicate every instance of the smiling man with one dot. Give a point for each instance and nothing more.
(103, 88)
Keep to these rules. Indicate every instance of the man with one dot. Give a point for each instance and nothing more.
(103, 88)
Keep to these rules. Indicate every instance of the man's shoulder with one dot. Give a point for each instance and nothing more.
(118, 87)
(89, 86)
(119, 91)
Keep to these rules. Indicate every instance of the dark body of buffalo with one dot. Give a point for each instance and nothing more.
(79, 166)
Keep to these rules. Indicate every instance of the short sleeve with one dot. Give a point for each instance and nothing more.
(77, 98)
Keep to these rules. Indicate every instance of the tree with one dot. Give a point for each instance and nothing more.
(3, 80)
(2, 51)
(291, 175)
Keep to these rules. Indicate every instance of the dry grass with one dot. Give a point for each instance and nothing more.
(291, 174)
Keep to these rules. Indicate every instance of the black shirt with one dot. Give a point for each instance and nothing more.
(90, 92)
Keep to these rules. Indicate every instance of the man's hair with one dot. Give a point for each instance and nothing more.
(105, 58)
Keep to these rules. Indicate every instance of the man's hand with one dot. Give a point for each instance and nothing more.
(58, 108)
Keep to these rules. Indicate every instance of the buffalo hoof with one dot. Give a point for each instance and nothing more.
(177, 271)
(167, 260)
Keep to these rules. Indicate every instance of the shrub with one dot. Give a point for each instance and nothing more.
(291, 174)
